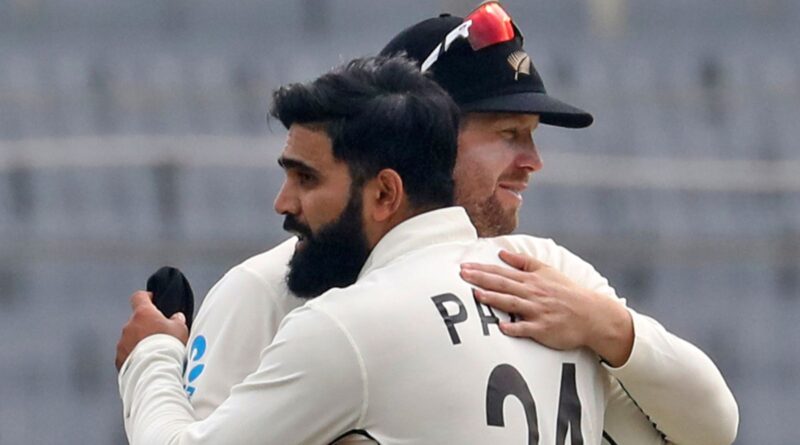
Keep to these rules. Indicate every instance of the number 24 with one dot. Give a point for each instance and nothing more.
(506, 381)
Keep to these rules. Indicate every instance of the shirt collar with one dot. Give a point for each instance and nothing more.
(447, 225)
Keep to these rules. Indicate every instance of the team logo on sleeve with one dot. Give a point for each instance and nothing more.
(193, 368)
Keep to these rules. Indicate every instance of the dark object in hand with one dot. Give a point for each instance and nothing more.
(172, 293)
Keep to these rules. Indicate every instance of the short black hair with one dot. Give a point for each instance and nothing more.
(381, 112)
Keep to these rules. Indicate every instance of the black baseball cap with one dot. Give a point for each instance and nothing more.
(496, 78)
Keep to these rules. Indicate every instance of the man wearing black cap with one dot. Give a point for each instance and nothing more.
(481, 63)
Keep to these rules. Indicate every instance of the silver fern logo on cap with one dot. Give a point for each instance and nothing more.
(520, 62)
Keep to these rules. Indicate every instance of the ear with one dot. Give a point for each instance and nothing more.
(384, 195)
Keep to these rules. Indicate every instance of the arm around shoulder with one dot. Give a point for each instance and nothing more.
(675, 383)
(678, 386)
(309, 388)
(238, 319)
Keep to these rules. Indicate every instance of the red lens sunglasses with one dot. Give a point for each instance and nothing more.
(487, 25)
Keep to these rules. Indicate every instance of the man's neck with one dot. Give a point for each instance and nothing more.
(376, 230)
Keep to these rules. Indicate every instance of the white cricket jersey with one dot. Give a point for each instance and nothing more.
(404, 356)
(241, 314)
(237, 320)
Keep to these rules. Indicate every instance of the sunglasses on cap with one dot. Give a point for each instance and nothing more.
(487, 25)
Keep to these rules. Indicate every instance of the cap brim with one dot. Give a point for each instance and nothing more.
(551, 111)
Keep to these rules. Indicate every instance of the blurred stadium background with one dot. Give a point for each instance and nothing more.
(133, 134)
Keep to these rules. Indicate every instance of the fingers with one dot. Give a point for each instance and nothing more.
(534, 330)
(123, 348)
(141, 298)
(179, 317)
(492, 281)
(509, 304)
(521, 266)
(119, 359)
(518, 328)
(503, 271)
(122, 354)
(147, 320)
(179, 329)
(526, 326)
(515, 260)
(520, 261)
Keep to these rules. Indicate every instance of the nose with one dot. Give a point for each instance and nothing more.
(286, 202)
(528, 157)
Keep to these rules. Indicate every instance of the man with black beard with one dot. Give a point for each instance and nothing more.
(502, 104)
(332, 257)
(388, 359)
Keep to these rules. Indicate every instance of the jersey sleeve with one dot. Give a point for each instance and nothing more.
(309, 388)
(624, 422)
(237, 320)
(674, 383)
(663, 377)
(678, 386)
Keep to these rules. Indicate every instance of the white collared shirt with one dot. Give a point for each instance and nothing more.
(406, 355)
(241, 315)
